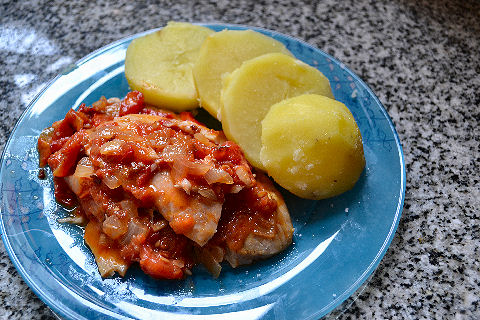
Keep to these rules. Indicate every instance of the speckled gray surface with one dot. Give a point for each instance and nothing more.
(422, 59)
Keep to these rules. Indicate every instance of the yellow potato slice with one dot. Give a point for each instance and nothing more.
(160, 65)
(223, 52)
(311, 146)
(251, 90)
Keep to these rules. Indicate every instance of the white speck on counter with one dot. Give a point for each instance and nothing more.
(57, 65)
(28, 96)
(23, 40)
(21, 80)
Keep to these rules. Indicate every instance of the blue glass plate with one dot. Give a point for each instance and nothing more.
(337, 242)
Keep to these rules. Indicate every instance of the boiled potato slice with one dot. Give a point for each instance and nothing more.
(311, 146)
(160, 65)
(251, 90)
(223, 52)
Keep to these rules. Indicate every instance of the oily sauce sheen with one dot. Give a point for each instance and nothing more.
(159, 189)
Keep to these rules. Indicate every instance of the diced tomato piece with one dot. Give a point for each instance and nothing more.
(84, 109)
(58, 144)
(200, 150)
(157, 266)
(64, 160)
(186, 115)
(124, 152)
(62, 129)
(183, 224)
(99, 118)
(229, 151)
(75, 119)
(44, 151)
(63, 194)
(67, 127)
(159, 112)
(145, 176)
(133, 103)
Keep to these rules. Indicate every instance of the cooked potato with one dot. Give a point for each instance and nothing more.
(223, 52)
(160, 65)
(311, 146)
(251, 90)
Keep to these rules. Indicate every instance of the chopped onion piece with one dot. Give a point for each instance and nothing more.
(217, 253)
(79, 220)
(184, 184)
(200, 137)
(243, 175)
(103, 240)
(76, 182)
(171, 152)
(91, 208)
(113, 100)
(159, 225)
(184, 166)
(84, 168)
(114, 227)
(178, 263)
(216, 137)
(207, 193)
(208, 260)
(129, 207)
(236, 189)
(113, 147)
(106, 133)
(135, 229)
(215, 175)
(111, 181)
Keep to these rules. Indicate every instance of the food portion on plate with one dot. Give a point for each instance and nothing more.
(160, 65)
(222, 53)
(249, 92)
(161, 189)
(311, 146)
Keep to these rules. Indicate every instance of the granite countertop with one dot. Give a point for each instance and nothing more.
(421, 58)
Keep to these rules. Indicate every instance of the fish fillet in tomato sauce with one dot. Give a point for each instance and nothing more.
(161, 189)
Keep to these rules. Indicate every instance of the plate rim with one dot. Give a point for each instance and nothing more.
(59, 307)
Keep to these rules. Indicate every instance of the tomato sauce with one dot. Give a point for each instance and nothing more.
(251, 211)
(63, 194)
(119, 157)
